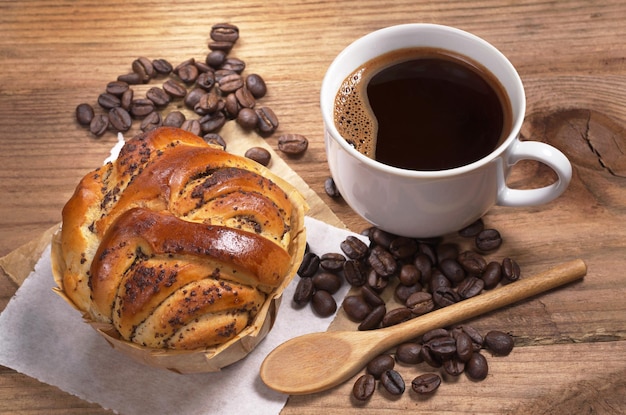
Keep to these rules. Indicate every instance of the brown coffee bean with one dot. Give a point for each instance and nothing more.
(108, 101)
(364, 387)
(381, 261)
(444, 296)
(488, 240)
(473, 229)
(221, 46)
(420, 303)
(330, 188)
(447, 250)
(428, 250)
(356, 307)
(209, 103)
(477, 338)
(215, 139)
(143, 66)
(371, 297)
(382, 238)
(453, 366)
(392, 382)
(354, 273)
(433, 334)
(119, 119)
(131, 78)
(402, 247)
(409, 353)
(477, 367)
(158, 96)
(188, 73)
(230, 83)
(304, 291)
(323, 303)
(245, 98)
(452, 270)
(426, 383)
(510, 270)
(84, 114)
(498, 342)
(205, 80)
(438, 280)
(193, 96)
(354, 248)
(215, 121)
(162, 66)
(234, 64)
(464, 346)
(176, 90)
(376, 282)
(215, 58)
(267, 121)
(224, 32)
(442, 347)
(174, 119)
(423, 264)
(99, 124)
(193, 126)
(151, 121)
(293, 144)
(256, 85)
(472, 262)
(309, 265)
(380, 364)
(141, 107)
(373, 319)
(332, 261)
(429, 358)
(409, 274)
(116, 88)
(327, 281)
(232, 107)
(397, 316)
(203, 68)
(470, 287)
(492, 275)
(127, 99)
(247, 118)
(403, 292)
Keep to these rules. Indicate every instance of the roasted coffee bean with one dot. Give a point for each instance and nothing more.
(364, 387)
(472, 262)
(221, 45)
(464, 346)
(330, 188)
(193, 96)
(429, 251)
(215, 121)
(230, 83)
(442, 347)
(510, 270)
(420, 303)
(141, 107)
(256, 85)
(354, 272)
(215, 139)
(176, 90)
(162, 66)
(205, 80)
(492, 275)
(371, 297)
(309, 265)
(193, 126)
(234, 64)
(373, 319)
(452, 270)
(423, 264)
(188, 73)
(447, 250)
(470, 287)
(453, 366)
(354, 248)
(131, 78)
(403, 292)
(332, 261)
(498, 342)
(174, 119)
(215, 58)
(477, 338)
(392, 382)
(438, 280)
(382, 261)
(383, 238)
(224, 32)
(473, 229)
(433, 334)
(232, 108)
(208, 103)
(426, 383)
(158, 96)
(323, 303)
(99, 124)
(409, 275)
(120, 119)
(429, 358)
(245, 98)
(304, 291)
(293, 144)
(409, 353)
(84, 114)
(476, 367)
(356, 307)
(151, 121)
(376, 282)
(488, 240)
(247, 118)
(108, 101)
(327, 281)
(222, 73)
(402, 247)
(380, 364)
(143, 66)
(397, 316)
(444, 297)
(267, 122)
(116, 88)
(127, 99)
(203, 68)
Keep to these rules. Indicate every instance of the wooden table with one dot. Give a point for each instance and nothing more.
(571, 55)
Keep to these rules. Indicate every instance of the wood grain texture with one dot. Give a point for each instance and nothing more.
(571, 56)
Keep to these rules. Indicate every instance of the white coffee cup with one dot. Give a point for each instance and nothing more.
(433, 203)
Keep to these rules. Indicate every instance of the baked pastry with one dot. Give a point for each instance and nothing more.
(179, 245)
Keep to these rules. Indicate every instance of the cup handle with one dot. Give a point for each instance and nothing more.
(544, 153)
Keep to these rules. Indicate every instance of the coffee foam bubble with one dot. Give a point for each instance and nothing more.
(353, 116)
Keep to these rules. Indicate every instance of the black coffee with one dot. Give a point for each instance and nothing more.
(423, 109)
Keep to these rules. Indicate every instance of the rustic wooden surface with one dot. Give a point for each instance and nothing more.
(571, 55)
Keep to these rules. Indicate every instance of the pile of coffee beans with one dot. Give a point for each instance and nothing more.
(455, 351)
(214, 91)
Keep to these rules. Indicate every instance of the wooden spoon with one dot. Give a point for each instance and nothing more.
(318, 361)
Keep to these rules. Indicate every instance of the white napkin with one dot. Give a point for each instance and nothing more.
(43, 337)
